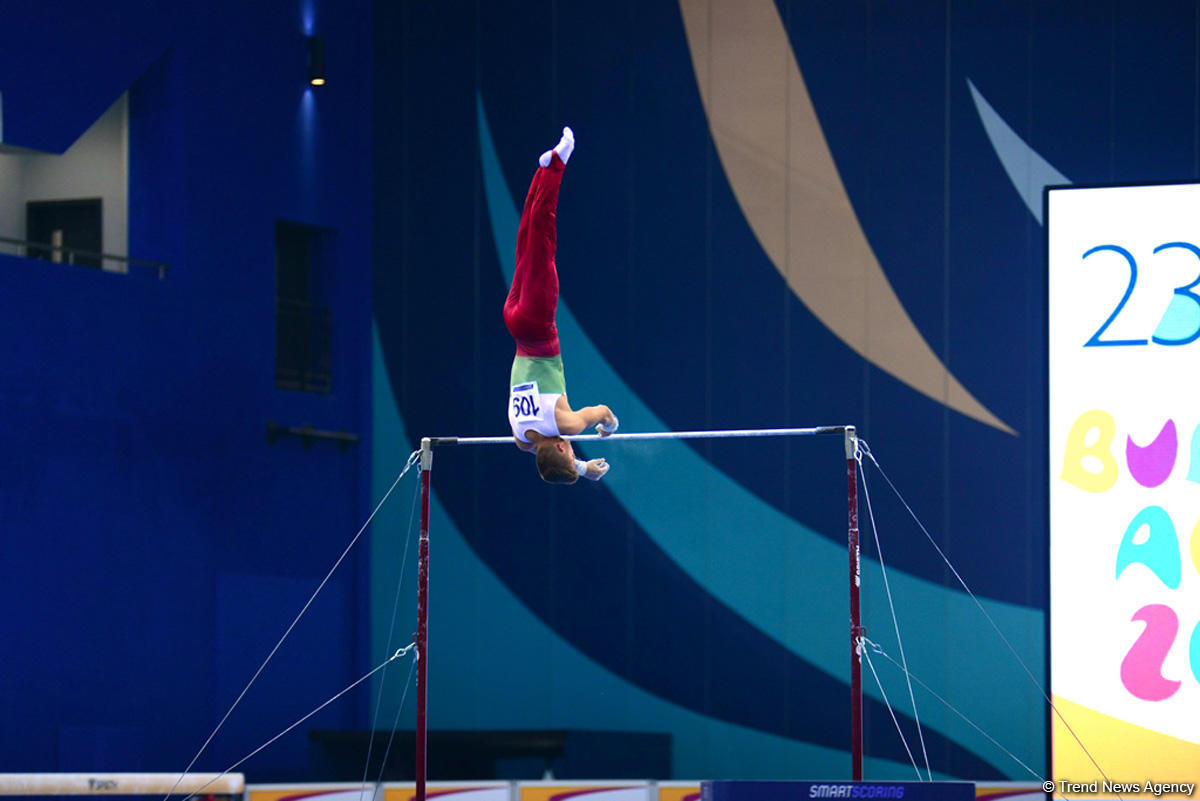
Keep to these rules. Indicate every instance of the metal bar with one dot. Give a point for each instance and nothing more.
(421, 731)
(724, 434)
(158, 265)
(856, 629)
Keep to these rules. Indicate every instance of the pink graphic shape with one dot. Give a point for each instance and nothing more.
(1141, 670)
(1150, 465)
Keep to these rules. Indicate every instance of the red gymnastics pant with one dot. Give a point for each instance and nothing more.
(533, 298)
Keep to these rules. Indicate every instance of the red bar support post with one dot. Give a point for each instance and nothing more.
(423, 618)
(856, 628)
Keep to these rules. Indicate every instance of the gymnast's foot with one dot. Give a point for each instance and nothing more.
(563, 148)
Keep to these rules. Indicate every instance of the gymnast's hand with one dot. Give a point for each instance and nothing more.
(596, 469)
(608, 423)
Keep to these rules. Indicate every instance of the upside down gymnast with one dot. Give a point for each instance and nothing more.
(538, 411)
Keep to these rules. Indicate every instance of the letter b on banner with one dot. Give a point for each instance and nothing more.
(1075, 469)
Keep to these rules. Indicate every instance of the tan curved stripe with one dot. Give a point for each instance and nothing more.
(779, 165)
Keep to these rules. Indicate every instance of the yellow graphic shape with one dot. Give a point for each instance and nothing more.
(605, 790)
(448, 791)
(1196, 547)
(1075, 470)
(337, 791)
(781, 170)
(1126, 752)
(678, 791)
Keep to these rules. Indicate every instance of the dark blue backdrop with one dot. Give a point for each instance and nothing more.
(665, 277)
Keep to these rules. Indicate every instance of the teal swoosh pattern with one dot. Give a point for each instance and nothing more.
(1029, 172)
(781, 576)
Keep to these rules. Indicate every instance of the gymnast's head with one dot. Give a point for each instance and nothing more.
(556, 460)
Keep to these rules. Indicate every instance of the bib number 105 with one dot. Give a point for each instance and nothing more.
(525, 406)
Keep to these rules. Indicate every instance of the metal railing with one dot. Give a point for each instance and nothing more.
(308, 435)
(68, 255)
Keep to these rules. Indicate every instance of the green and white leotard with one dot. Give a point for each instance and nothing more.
(536, 384)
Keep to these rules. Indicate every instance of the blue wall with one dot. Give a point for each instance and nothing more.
(155, 545)
(700, 589)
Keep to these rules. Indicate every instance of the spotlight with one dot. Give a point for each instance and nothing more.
(316, 61)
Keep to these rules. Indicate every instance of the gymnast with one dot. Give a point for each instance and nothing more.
(538, 411)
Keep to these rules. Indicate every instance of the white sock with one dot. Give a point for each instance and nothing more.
(563, 148)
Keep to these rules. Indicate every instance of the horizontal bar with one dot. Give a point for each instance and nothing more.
(87, 254)
(121, 783)
(726, 434)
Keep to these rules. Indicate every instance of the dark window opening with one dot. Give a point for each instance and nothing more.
(303, 341)
(65, 226)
